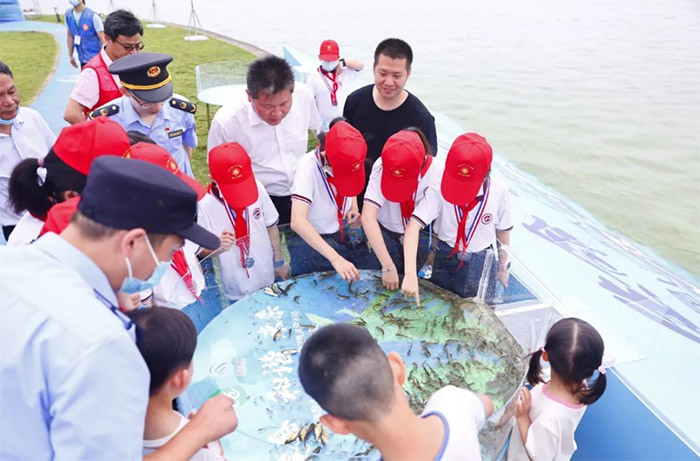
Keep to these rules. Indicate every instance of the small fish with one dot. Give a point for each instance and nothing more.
(342, 296)
(361, 293)
(289, 332)
(318, 429)
(277, 335)
(410, 348)
(270, 291)
(426, 351)
(326, 275)
(307, 326)
(297, 298)
(317, 450)
(314, 283)
(285, 290)
(290, 351)
(309, 430)
(303, 433)
(381, 330)
(330, 288)
(324, 436)
(292, 437)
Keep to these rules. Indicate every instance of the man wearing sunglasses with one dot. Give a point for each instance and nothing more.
(149, 106)
(74, 385)
(96, 86)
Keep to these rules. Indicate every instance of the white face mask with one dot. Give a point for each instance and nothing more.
(74, 3)
(329, 66)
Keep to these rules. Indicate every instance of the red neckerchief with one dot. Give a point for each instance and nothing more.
(332, 89)
(238, 222)
(408, 206)
(332, 190)
(179, 263)
(462, 237)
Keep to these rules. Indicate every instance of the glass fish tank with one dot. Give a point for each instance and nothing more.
(249, 351)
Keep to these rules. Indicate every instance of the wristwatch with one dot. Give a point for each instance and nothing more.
(342, 61)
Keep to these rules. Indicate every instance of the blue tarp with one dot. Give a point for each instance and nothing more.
(10, 11)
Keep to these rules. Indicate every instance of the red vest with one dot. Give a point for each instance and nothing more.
(108, 89)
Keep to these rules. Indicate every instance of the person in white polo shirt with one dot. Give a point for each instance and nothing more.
(272, 126)
(403, 188)
(324, 193)
(475, 219)
(250, 255)
(332, 81)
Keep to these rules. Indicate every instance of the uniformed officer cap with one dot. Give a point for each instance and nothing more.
(145, 74)
(128, 194)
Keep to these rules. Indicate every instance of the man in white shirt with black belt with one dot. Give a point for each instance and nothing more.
(272, 125)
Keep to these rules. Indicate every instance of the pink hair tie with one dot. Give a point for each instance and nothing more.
(601, 370)
(40, 161)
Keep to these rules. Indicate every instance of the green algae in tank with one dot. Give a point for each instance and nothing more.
(250, 352)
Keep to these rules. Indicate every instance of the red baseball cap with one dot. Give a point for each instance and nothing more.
(402, 158)
(229, 165)
(59, 216)
(330, 51)
(153, 153)
(346, 151)
(78, 145)
(468, 161)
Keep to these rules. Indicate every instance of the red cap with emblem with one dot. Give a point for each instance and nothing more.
(402, 158)
(78, 145)
(157, 155)
(468, 161)
(330, 51)
(346, 151)
(230, 168)
(59, 216)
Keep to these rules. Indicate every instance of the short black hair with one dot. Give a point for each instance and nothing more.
(395, 48)
(122, 22)
(5, 69)
(423, 139)
(343, 368)
(136, 137)
(269, 74)
(166, 341)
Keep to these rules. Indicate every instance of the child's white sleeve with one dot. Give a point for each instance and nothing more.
(542, 440)
(373, 194)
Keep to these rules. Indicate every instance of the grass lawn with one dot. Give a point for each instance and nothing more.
(31, 56)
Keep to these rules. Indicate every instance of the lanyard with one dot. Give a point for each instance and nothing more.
(243, 242)
(115, 310)
(337, 200)
(332, 76)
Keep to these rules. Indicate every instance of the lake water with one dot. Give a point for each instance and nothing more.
(599, 99)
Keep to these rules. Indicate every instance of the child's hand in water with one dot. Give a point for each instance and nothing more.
(524, 402)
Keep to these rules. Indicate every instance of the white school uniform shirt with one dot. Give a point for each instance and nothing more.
(310, 187)
(26, 231)
(551, 434)
(210, 452)
(321, 87)
(261, 215)
(87, 89)
(172, 290)
(463, 415)
(274, 150)
(496, 216)
(30, 137)
(427, 201)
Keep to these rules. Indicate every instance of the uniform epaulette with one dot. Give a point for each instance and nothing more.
(108, 110)
(181, 104)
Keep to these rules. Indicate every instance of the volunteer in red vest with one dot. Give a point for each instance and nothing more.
(96, 86)
(324, 203)
(85, 32)
(403, 195)
(474, 224)
(244, 216)
(332, 82)
(37, 184)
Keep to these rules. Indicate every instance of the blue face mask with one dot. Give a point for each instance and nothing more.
(329, 66)
(74, 2)
(133, 285)
(9, 121)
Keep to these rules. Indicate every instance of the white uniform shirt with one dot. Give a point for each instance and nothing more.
(30, 137)
(274, 150)
(172, 291)
(74, 385)
(311, 188)
(26, 231)
(210, 452)
(463, 414)
(551, 434)
(496, 216)
(427, 202)
(321, 87)
(87, 89)
(261, 215)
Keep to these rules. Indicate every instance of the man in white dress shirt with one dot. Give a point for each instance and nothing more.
(272, 125)
(23, 134)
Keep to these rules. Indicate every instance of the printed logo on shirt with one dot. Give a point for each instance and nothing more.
(175, 134)
(153, 71)
(464, 170)
(397, 172)
(487, 218)
(85, 27)
(257, 213)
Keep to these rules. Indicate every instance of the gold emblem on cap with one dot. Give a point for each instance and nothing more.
(153, 71)
(464, 170)
(236, 171)
(397, 172)
(355, 167)
(172, 166)
(127, 154)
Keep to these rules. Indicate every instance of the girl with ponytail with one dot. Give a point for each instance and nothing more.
(547, 415)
